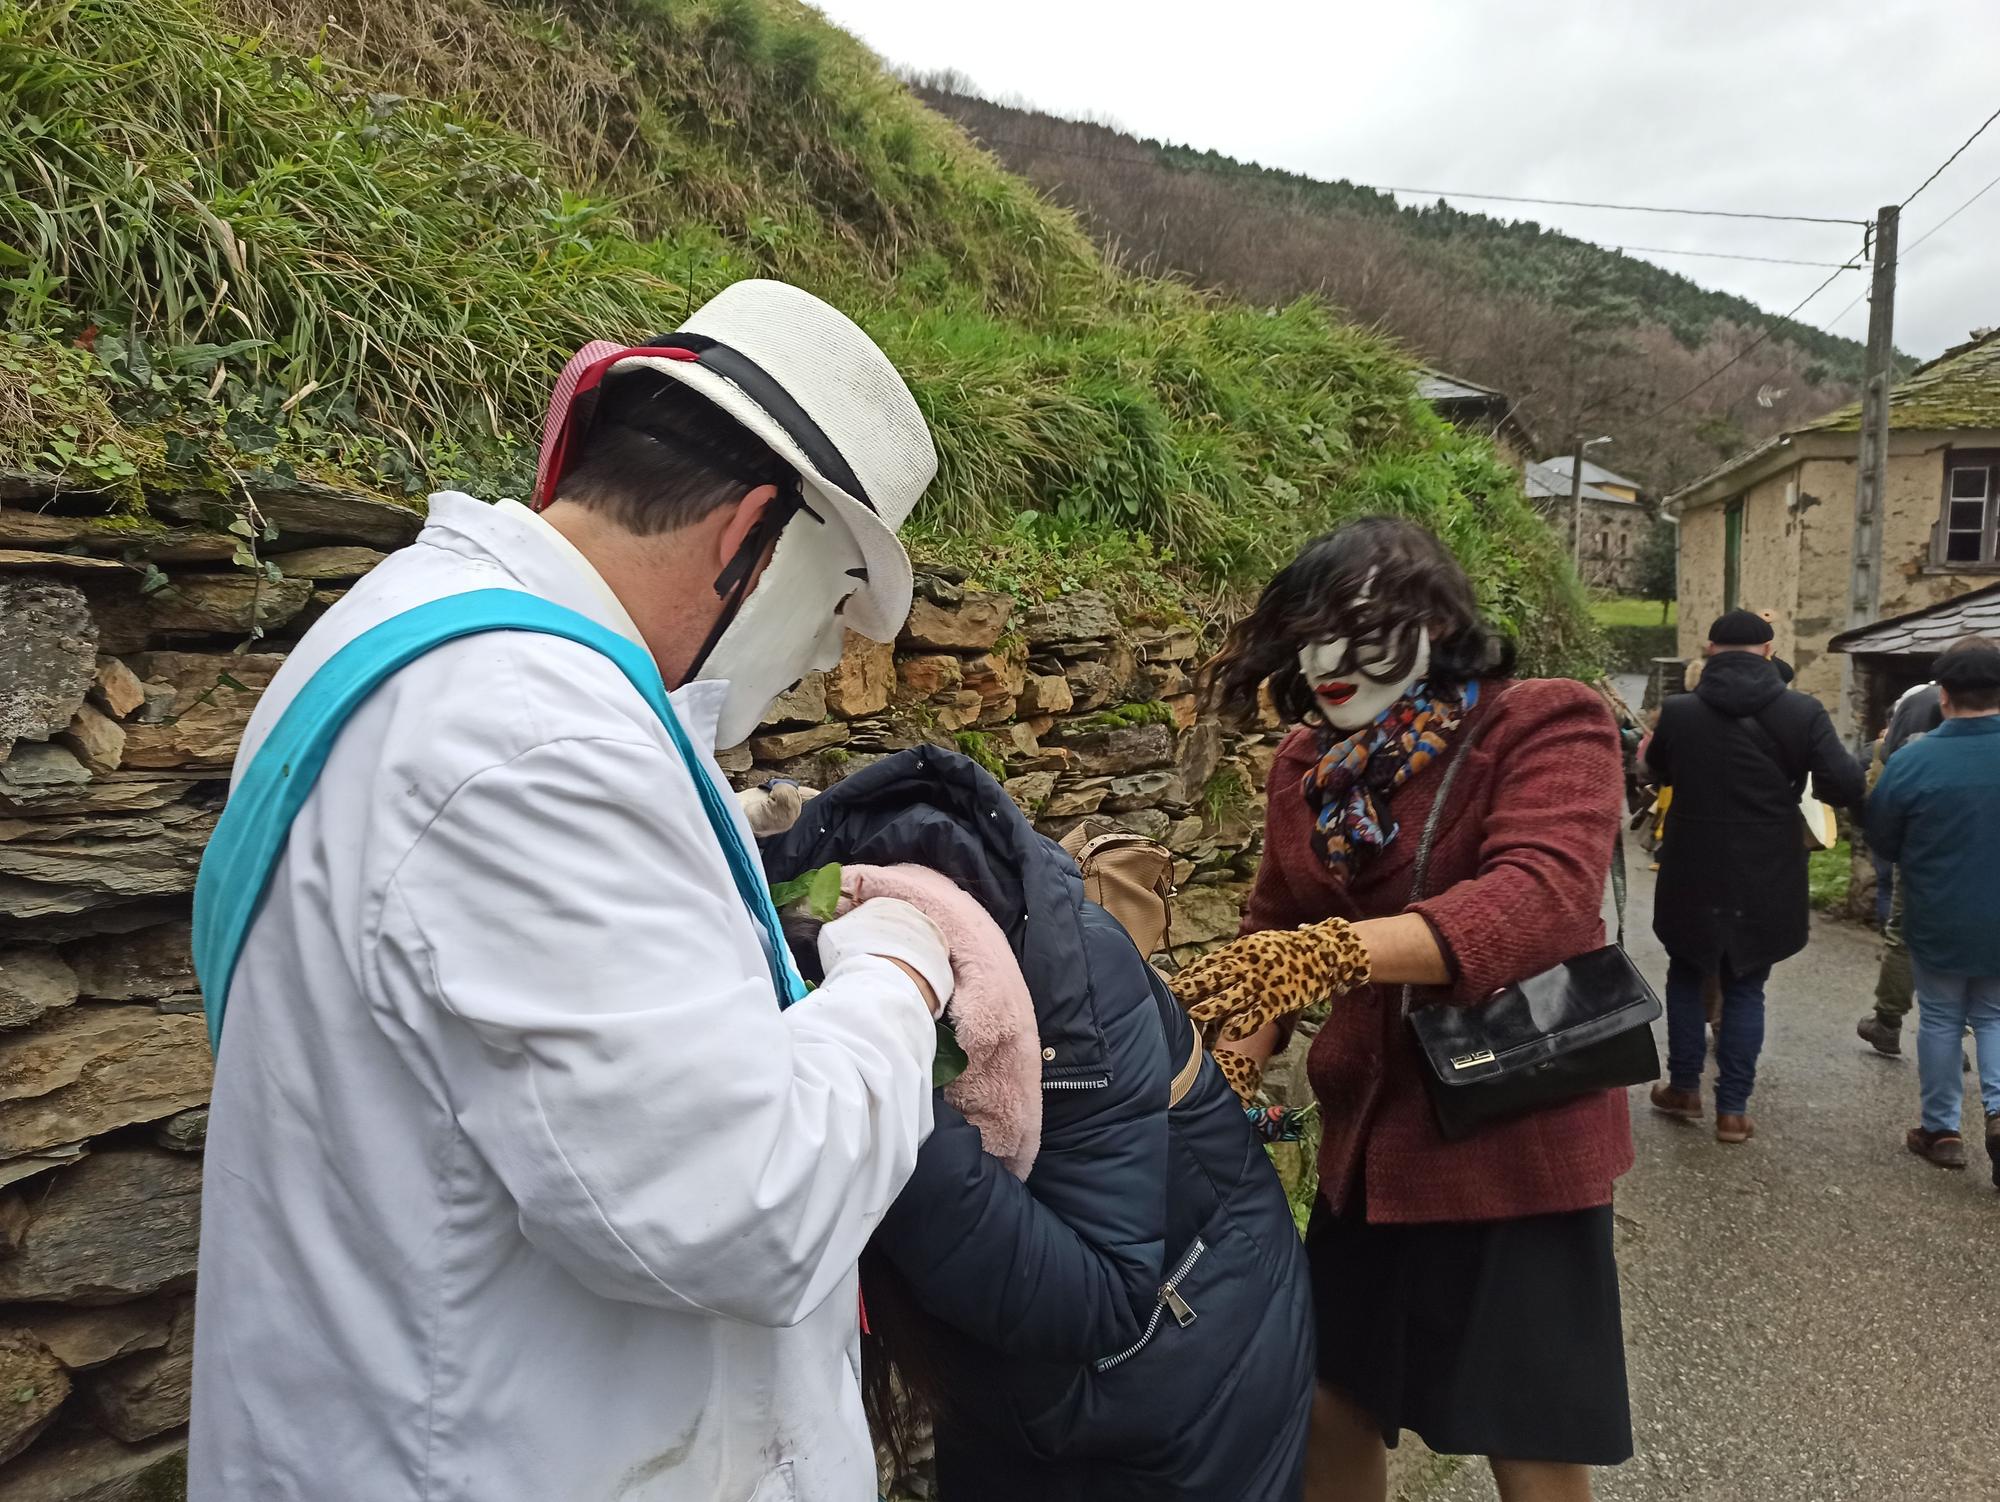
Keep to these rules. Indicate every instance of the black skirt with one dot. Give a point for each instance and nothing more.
(1498, 1338)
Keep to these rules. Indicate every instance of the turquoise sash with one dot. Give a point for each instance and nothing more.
(251, 835)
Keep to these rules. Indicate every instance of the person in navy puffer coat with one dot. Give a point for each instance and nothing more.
(1133, 1321)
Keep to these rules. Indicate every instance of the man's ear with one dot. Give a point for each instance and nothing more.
(749, 511)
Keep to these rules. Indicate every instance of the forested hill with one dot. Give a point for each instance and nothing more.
(1578, 335)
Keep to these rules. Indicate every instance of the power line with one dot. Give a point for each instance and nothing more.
(1629, 208)
(1720, 255)
(1852, 266)
(1769, 330)
(1907, 249)
(1159, 154)
(1949, 217)
(1950, 159)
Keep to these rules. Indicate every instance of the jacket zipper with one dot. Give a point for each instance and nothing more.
(1170, 1302)
(1097, 1084)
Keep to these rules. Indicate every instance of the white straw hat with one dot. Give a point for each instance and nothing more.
(804, 378)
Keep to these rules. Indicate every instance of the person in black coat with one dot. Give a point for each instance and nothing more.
(1133, 1321)
(1732, 898)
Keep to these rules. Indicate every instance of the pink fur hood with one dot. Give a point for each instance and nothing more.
(990, 1011)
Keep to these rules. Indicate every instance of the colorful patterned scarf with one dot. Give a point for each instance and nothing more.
(1349, 787)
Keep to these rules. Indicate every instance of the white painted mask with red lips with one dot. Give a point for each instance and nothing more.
(1347, 697)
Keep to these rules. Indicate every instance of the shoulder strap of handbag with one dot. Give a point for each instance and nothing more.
(1761, 733)
(250, 837)
(1421, 869)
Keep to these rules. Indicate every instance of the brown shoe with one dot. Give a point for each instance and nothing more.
(1734, 1129)
(1945, 1149)
(1684, 1104)
(1880, 1036)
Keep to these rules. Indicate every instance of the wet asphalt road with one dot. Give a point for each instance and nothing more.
(1814, 1315)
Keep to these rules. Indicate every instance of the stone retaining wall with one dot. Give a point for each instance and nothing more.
(127, 673)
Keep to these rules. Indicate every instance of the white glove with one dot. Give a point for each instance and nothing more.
(890, 929)
(774, 809)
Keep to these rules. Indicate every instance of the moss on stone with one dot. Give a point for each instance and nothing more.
(1959, 390)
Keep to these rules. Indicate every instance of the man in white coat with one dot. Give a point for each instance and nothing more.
(520, 1185)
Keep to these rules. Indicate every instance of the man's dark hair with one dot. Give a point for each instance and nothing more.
(661, 456)
(1408, 578)
(1969, 670)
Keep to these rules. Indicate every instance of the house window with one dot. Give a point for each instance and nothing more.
(1971, 489)
(1732, 554)
(1603, 544)
(1624, 544)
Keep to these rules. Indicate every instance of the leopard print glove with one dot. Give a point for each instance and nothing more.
(1245, 1074)
(1261, 977)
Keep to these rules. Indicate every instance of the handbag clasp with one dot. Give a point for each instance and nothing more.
(1469, 1060)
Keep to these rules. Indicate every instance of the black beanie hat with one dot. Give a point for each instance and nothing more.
(1740, 628)
(1969, 668)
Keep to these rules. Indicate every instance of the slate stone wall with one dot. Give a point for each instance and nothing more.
(128, 670)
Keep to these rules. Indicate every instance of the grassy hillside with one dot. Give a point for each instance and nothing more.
(361, 238)
(1577, 334)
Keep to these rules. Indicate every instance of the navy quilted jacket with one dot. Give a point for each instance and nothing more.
(1134, 1321)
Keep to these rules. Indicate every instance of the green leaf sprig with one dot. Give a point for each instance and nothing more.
(950, 1061)
(818, 890)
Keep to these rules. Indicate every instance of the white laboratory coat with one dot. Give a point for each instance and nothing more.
(519, 1186)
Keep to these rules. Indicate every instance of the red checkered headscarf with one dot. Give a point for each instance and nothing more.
(573, 406)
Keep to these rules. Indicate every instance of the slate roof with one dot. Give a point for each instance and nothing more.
(1544, 483)
(1927, 632)
(1593, 472)
(1436, 386)
(1959, 389)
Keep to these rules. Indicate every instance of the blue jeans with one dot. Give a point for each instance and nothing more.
(1885, 884)
(1946, 1006)
(1739, 1036)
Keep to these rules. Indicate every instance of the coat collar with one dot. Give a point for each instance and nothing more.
(508, 536)
(1970, 725)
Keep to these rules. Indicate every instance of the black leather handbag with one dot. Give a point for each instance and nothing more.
(1583, 1026)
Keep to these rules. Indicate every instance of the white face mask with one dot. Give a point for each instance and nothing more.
(789, 625)
(1347, 698)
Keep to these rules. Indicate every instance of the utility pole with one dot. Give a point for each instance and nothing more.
(1864, 601)
(1576, 504)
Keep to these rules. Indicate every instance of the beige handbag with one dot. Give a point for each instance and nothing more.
(1131, 878)
(1822, 827)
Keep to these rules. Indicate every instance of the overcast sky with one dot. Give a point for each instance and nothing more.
(1823, 107)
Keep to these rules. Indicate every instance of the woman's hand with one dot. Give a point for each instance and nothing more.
(1249, 983)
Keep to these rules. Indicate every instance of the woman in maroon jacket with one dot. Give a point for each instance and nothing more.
(1463, 1290)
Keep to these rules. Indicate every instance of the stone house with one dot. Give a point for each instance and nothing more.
(1615, 519)
(1596, 476)
(1773, 529)
(1478, 409)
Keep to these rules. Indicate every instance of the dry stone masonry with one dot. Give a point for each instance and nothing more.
(133, 648)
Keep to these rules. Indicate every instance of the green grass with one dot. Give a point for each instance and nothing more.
(1829, 873)
(1629, 612)
(273, 242)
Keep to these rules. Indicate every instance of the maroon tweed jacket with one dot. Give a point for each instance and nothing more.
(1518, 874)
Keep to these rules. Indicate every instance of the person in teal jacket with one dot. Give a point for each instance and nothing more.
(1936, 813)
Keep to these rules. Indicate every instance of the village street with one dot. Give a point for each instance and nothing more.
(1811, 1316)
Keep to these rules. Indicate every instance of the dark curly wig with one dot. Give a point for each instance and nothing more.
(1369, 581)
